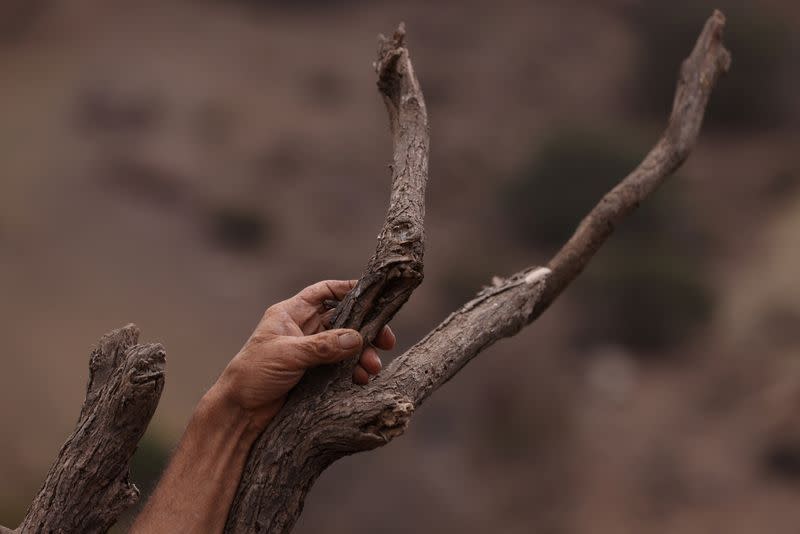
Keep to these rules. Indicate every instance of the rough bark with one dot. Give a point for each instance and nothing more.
(323, 423)
(502, 310)
(264, 501)
(88, 486)
(395, 270)
(326, 416)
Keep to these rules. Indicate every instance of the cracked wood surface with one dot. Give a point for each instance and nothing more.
(88, 486)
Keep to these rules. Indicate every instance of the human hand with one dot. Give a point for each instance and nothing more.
(291, 338)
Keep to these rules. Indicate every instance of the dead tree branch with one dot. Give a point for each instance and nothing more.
(326, 416)
(323, 423)
(395, 270)
(88, 486)
(392, 274)
(501, 311)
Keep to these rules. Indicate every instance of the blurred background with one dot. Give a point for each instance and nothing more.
(182, 165)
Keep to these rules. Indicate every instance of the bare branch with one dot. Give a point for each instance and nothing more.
(88, 486)
(395, 270)
(698, 76)
(501, 311)
(326, 417)
(299, 438)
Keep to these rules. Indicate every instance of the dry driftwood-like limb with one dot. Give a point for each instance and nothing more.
(336, 418)
(698, 75)
(268, 499)
(395, 270)
(501, 311)
(326, 416)
(88, 486)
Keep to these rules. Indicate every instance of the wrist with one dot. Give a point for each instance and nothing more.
(220, 410)
(225, 398)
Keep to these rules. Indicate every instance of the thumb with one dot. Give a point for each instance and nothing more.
(329, 346)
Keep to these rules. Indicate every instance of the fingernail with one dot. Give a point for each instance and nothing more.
(349, 340)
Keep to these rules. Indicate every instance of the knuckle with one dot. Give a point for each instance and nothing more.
(268, 313)
(274, 310)
(325, 349)
(260, 339)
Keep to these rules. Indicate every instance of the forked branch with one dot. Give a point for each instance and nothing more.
(502, 310)
(328, 417)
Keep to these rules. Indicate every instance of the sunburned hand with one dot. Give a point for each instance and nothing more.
(291, 338)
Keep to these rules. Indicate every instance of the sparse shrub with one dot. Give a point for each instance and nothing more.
(239, 229)
(781, 461)
(647, 288)
(646, 297)
(567, 176)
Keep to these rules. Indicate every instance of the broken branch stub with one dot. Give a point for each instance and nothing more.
(88, 487)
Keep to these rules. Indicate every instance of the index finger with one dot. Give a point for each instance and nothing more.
(318, 293)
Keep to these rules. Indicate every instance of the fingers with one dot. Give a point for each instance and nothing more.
(370, 361)
(318, 293)
(307, 309)
(368, 364)
(329, 346)
(385, 339)
(332, 346)
(360, 376)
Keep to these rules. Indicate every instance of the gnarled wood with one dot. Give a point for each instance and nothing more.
(88, 486)
(501, 311)
(338, 419)
(395, 270)
(326, 416)
(267, 499)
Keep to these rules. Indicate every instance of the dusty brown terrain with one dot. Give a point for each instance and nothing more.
(183, 165)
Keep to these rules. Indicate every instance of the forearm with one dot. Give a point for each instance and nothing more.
(197, 489)
(198, 486)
